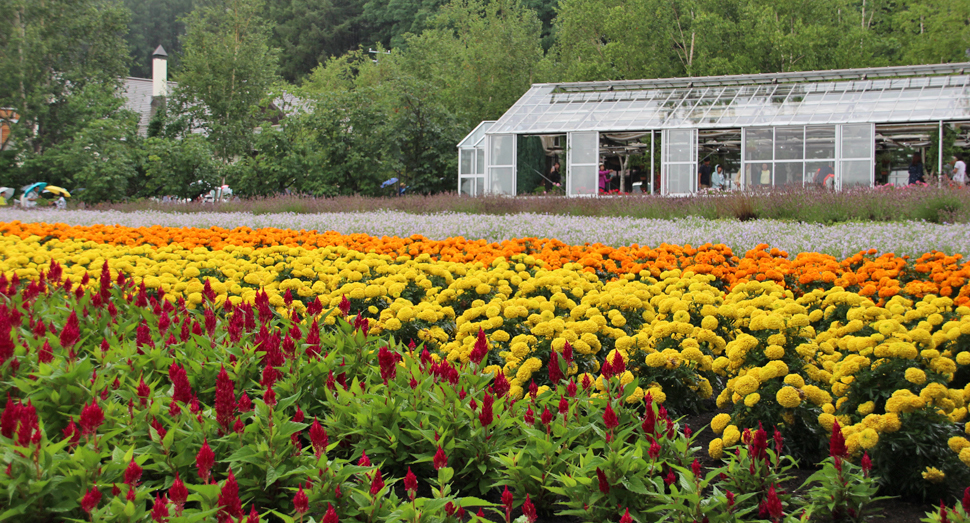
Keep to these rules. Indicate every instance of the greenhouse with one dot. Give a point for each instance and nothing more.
(857, 126)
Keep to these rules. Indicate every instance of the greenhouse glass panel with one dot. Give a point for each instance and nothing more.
(789, 143)
(466, 187)
(820, 142)
(465, 157)
(856, 173)
(857, 141)
(757, 144)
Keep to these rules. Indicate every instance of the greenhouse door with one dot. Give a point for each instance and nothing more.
(678, 150)
(500, 161)
(582, 167)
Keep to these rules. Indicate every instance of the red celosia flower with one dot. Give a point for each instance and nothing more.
(253, 515)
(626, 517)
(567, 353)
(387, 363)
(730, 498)
(364, 460)
(555, 373)
(966, 498)
(695, 467)
(529, 510)
(867, 466)
(619, 364)
(318, 438)
(204, 461)
(46, 353)
(160, 509)
(159, 428)
(225, 400)
(563, 406)
(411, 483)
(344, 305)
(546, 416)
(331, 515)
(377, 483)
(485, 416)
(670, 478)
(772, 505)
(209, 318)
(239, 427)
(143, 336)
(480, 350)
(313, 340)
(299, 416)
(178, 494)
(91, 418)
(229, 499)
(533, 390)
(759, 443)
(8, 420)
(603, 482)
(301, 503)
(944, 514)
(571, 389)
(440, 459)
(244, 404)
(837, 442)
(501, 385)
(269, 397)
(132, 474)
(143, 392)
(131, 495)
(529, 416)
(654, 451)
(90, 500)
(72, 433)
(71, 332)
(182, 390)
(507, 502)
(609, 418)
(164, 322)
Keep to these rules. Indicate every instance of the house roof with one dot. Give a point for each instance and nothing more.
(138, 96)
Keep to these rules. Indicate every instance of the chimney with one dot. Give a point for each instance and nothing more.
(159, 72)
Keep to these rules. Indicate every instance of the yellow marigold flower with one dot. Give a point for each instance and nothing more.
(963, 358)
(788, 397)
(658, 395)
(935, 475)
(891, 422)
(965, 456)
(826, 420)
(716, 448)
(392, 324)
(752, 399)
(626, 378)
(775, 352)
(915, 376)
(933, 391)
(795, 381)
(866, 408)
(731, 435)
(636, 396)
(958, 443)
(709, 322)
(868, 438)
(719, 422)
(746, 385)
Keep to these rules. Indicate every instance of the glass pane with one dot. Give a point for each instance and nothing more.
(679, 146)
(757, 144)
(503, 181)
(680, 178)
(820, 174)
(788, 173)
(585, 148)
(757, 174)
(466, 186)
(788, 143)
(582, 179)
(820, 142)
(480, 161)
(857, 141)
(465, 161)
(856, 173)
(502, 145)
(479, 185)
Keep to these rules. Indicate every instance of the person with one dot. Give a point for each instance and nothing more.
(554, 179)
(765, 174)
(824, 176)
(704, 174)
(718, 178)
(61, 203)
(916, 169)
(604, 178)
(959, 172)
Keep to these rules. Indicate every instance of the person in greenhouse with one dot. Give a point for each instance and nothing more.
(959, 172)
(719, 179)
(916, 169)
(765, 174)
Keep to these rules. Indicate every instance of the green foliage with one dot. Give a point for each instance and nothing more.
(842, 491)
(154, 23)
(175, 167)
(308, 32)
(227, 70)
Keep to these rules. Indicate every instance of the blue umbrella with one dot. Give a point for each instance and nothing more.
(39, 186)
(388, 183)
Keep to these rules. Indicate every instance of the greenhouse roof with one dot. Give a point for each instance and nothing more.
(477, 135)
(879, 95)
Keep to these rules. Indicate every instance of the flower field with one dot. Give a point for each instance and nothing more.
(188, 374)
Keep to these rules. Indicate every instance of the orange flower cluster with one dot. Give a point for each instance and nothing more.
(866, 273)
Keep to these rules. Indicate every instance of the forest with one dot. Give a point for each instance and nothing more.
(359, 91)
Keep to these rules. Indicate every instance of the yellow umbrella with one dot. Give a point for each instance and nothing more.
(57, 190)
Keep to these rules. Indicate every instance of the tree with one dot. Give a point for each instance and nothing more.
(154, 23)
(308, 32)
(227, 70)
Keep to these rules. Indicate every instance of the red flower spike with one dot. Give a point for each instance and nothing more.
(654, 451)
(90, 500)
(730, 498)
(160, 509)
(71, 332)
(253, 515)
(837, 442)
(411, 484)
(529, 510)
(178, 494)
(244, 404)
(344, 305)
(331, 515)
(204, 461)
(377, 483)
(867, 466)
(485, 416)
(567, 354)
(364, 460)
(72, 433)
(501, 385)
(670, 478)
(239, 427)
(301, 503)
(609, 418)
(773, 505)
(555, 373)
(571, 389)
(530, 416)
(695, 467)
(563, 406)
(46, 353)
(546, 416)
(132, 474)
(480, 350)
(603, 483)
(229, 505)
(318, 438)
(440, 459)
(299, 416)
(143, 392)
(533, 390)
(388, 364)
(626, 517)
(225, 400)
(507, 502)
(131, 495)
(182, 390)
